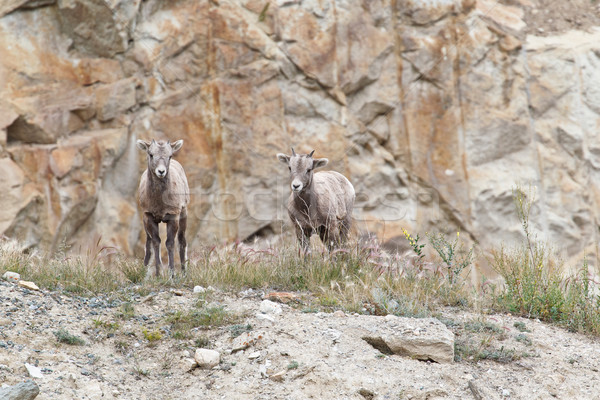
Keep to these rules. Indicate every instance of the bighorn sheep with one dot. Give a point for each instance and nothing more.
(163, 195)
(320, 202)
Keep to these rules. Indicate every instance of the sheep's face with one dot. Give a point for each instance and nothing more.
(301, 167)
(159, 155)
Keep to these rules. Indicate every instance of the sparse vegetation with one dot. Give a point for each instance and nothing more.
(534, 283)
(153, 335)
(237, 330)
(204, 316)
(363, 279)
(293, 365)
(63, 336)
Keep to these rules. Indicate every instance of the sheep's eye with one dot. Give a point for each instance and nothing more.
(308, 171)
(151, 155)
(290, 168)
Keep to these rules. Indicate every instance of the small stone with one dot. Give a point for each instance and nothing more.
(282, 297)
(245, 340)
(34, 371)
(177, 292)
(278, 376)
(187, 364)
(28, 285)
(265, 317)
(199, 289)
(11, 276)
(505, 393)
(254, 355)
(268, 307)
(339, 314)
(207, 359)
(27, 390)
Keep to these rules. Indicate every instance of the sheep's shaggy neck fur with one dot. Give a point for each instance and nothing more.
(166, 196)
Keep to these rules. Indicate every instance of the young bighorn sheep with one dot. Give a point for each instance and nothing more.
(164, 194)
(320, 202)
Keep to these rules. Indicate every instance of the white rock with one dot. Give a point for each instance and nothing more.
(28, 285)
(11, 276)
(199, 289)
(269, 307)
(254, 355)
(265, 317)
(34, 371)
(187, 364)
(207, 359)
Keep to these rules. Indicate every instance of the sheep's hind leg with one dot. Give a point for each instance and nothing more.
(172, 227)
(181, 239)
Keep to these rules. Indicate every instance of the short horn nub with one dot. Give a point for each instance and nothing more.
(311, 153)
(293, 152)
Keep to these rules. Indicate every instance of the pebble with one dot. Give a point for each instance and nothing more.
(254, 355)
(339, 314)
(199, 289)
(278, 376)
(34, 371)
(265, 317)
(245, 340)
(11, 276)
(206, 358)
(269, 307)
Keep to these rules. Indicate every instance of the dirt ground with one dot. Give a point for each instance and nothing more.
(550, 17)
(291, 355)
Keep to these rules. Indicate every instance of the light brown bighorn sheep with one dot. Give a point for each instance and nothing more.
(164, 194)
(320, 202)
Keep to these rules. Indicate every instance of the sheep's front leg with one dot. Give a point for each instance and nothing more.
(148, 253)
(181, 238)
(151, 226)
(172, 227)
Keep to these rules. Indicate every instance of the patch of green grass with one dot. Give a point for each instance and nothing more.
(202, 342)
(65, 337)
(109, 326)
(480, 325)
(293, 365)
(534, 283)
(153, 335)
(206, 316)
(126, 311)
(521, 327)
(522, 338)
(133, 270)
(237, 330)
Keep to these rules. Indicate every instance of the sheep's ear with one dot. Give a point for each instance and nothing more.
(177, 145)
(283, 158)
(142, 145)
(320, 162)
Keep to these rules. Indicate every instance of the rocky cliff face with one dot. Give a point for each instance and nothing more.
(434, 110)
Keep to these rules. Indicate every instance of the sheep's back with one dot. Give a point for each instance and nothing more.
(335, 194)
(179, 183)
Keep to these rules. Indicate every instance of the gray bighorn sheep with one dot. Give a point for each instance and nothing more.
(163, 195)
(320, 202)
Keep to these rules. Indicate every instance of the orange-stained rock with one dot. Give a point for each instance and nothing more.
(434, 110)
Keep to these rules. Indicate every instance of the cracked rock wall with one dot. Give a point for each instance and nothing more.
(435, 111)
